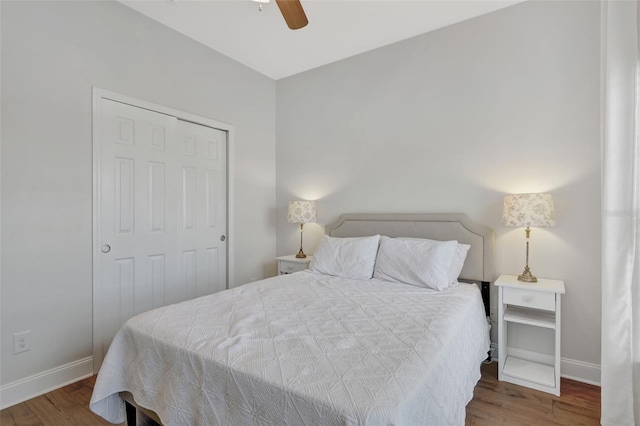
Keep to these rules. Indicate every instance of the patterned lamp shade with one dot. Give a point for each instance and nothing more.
(528, 210)
(302, 212)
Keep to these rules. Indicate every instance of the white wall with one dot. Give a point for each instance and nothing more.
(452, 120)
(52, 55)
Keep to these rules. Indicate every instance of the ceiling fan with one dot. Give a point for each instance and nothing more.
(291, 11)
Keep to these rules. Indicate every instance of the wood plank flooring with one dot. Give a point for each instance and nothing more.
(65, 406)
(501, 403)
(494, 403)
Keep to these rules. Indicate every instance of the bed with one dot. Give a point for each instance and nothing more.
(314, 347)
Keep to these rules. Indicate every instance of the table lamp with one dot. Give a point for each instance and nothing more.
(528, 210)
(301, 212)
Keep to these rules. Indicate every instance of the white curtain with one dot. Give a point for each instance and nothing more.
(621, 215)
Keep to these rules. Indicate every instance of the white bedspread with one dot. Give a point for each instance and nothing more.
(302, 349)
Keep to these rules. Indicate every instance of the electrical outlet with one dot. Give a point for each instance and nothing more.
(21, 342)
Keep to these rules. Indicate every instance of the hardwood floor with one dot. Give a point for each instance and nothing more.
(494, 403)
(501, 403)
(65, 406)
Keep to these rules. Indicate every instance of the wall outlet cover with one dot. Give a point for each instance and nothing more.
(21, 342)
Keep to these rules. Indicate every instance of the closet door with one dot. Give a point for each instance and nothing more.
(202, 218)
(161, 216)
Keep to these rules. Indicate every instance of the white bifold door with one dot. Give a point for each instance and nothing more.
(161, 189)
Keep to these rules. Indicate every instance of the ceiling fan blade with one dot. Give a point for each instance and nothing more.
(293, 13)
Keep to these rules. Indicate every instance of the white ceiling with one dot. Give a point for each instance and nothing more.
(337, 28)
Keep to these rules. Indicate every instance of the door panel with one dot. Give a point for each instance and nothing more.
(136, 162)
(162, 210)
(203, 195)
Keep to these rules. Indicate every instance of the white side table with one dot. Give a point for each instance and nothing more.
(535, 304)
(290, 264)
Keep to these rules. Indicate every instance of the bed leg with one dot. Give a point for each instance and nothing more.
(485, 291)
(486, 295)
(131, 414)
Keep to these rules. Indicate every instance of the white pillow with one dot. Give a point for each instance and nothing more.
(346, 257)
(457, 262)
(419, 262)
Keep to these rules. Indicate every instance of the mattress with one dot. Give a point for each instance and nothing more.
(303, 348)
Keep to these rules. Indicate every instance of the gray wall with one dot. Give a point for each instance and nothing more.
(451, 121)
(52, 55)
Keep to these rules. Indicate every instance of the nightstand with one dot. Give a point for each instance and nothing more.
(532, 304)
(290, 264)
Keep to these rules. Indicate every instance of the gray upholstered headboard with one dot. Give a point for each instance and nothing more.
(479, 265)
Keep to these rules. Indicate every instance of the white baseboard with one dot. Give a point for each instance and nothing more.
(573, 369)
(580, 371)
(41, 383)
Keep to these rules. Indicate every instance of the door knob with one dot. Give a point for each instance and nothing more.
(106, 248)
(222, 238)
